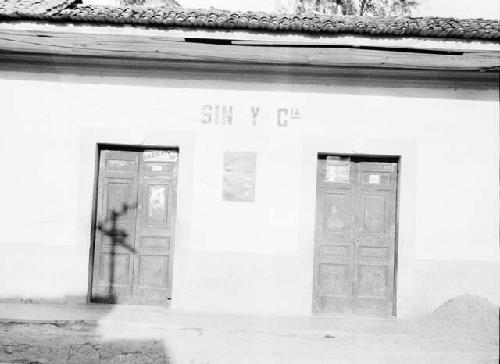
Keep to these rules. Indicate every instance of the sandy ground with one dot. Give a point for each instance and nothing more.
(151, 335)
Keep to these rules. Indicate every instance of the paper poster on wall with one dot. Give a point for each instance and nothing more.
(337, 173)
(239, 176)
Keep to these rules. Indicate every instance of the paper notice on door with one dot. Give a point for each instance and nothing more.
(374, 179)
(337, 173)
(160, 156)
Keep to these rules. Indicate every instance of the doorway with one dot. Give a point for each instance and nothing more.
(355, 235)
(134, 225)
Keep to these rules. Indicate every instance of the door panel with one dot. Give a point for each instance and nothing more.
(355, 237)
(156, 202)
(154, 228)
(134, 232)
(375, 238)
(115, 232)
(334, 267)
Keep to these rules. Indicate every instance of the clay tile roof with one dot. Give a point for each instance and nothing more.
(71, 11)
(31, 7)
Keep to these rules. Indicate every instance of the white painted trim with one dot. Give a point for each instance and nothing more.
(260, 36)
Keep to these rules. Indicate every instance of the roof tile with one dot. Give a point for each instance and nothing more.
(71, 11)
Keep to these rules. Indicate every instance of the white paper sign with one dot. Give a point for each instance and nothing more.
(160, 156)
(337, 173)
(374, 179)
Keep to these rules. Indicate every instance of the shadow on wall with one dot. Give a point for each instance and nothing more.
(57, 330)
(115, 236)
(118, 240)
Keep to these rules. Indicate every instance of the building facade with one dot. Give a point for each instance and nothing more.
(282, 166)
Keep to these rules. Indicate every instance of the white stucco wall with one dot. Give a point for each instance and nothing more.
(247, 257)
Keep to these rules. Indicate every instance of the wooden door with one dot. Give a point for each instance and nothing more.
(354, 255)
(134, 230)
(154, 227)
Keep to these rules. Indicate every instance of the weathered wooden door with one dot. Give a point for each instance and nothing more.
(136, 202)
(354, 258)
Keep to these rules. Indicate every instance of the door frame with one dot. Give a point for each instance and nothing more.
(97, 152)
(374, 158)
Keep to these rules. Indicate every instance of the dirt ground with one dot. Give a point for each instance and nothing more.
(463, 330)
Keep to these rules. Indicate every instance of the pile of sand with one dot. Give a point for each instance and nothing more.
(468, 317)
